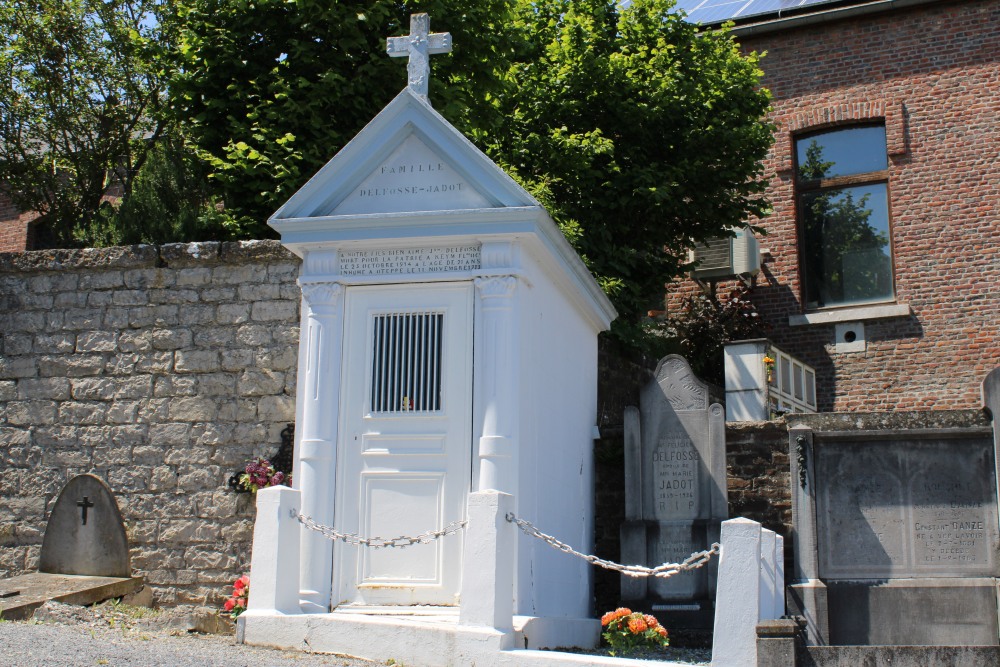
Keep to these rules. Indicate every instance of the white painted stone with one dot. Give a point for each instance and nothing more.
(274, 568)
(769, 592)
(734, 642)
(418, 46)
(488, 566)
(410, 210)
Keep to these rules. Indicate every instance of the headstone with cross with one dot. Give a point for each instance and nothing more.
(419, 45)
(85, 533)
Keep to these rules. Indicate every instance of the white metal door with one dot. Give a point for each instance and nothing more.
(404, 456)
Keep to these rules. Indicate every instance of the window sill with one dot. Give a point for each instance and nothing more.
(855, 314)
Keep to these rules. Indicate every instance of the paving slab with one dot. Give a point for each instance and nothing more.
(20, 596)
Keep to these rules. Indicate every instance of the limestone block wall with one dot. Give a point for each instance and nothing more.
(160, 369)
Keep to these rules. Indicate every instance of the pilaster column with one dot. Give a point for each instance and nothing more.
(316, 453)
(498, 373)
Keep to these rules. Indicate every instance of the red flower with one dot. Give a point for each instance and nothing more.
(230, 603)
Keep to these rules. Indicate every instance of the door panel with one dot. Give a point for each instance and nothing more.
(404, 458)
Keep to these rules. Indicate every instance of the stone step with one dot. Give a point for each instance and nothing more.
(21, 596)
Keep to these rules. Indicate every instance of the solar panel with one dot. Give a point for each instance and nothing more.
(717, 11)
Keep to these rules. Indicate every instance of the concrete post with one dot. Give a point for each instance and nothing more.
(769, 591)
(274, 567)
(737, 598)
(776, 643)
(488, 563)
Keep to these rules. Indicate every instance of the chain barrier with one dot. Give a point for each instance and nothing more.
(693, 562)
(379, 542)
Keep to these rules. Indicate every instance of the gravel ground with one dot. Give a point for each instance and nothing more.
(70, 636)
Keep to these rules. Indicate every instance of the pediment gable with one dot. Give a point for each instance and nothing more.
(407, 159)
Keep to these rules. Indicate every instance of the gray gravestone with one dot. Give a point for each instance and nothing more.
(675, 489)
(85, 534)
(896, 528)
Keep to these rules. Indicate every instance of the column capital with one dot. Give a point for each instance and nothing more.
(496, 286)
(321, 294)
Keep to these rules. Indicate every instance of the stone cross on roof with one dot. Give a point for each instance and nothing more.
(419, 45)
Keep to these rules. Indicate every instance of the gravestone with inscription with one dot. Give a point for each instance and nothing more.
(675, 491)
(896, 530)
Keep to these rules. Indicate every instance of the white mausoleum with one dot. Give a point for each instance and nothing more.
(448, 352)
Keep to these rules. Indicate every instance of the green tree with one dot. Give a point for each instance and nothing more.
(642, 134)
(80, 92)
(268, 91)
(170, 201)
(639, 133)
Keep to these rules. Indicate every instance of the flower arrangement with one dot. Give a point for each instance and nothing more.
(626, 630)
(260, 474)
(237, 602)
(769, 367)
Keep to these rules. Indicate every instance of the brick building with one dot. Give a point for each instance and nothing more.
(15, 227)
(882, 264)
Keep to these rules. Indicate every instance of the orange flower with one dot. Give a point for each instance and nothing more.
(650, 621)
(637, 625)
(662, 631)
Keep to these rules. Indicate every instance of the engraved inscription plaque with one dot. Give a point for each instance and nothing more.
(407, 261)
(413, 178)
(676, 470)
(892, 509)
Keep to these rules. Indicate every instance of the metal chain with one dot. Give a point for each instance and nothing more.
(379, 542)
(693, 562)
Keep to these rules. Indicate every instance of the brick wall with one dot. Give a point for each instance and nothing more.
(161, 370)
(15, 232)
(932, 74)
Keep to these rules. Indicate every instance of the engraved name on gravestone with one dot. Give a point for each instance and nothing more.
(897, 509)
(675, 482)
(401, 261)
(85, 534)
(413, 178)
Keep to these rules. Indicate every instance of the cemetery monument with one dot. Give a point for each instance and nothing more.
(896, 529)
(447, 366)
(675, 492)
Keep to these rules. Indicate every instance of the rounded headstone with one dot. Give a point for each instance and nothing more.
(85, 534)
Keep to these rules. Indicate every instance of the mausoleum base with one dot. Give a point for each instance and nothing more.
(426, 636)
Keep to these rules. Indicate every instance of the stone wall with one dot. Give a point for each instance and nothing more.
(160, 369)
(163, 370)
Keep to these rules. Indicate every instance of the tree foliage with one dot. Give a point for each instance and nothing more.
(270, 90)
(705, 323)
(641, 134)
(80, 91)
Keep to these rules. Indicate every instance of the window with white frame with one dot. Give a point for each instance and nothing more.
(842, 184)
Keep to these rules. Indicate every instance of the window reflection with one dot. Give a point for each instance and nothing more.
(843, 152)
(844, 213)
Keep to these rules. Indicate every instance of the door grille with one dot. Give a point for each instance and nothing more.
(406, 362)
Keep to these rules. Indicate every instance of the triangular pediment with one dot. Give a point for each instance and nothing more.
(407, 159)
